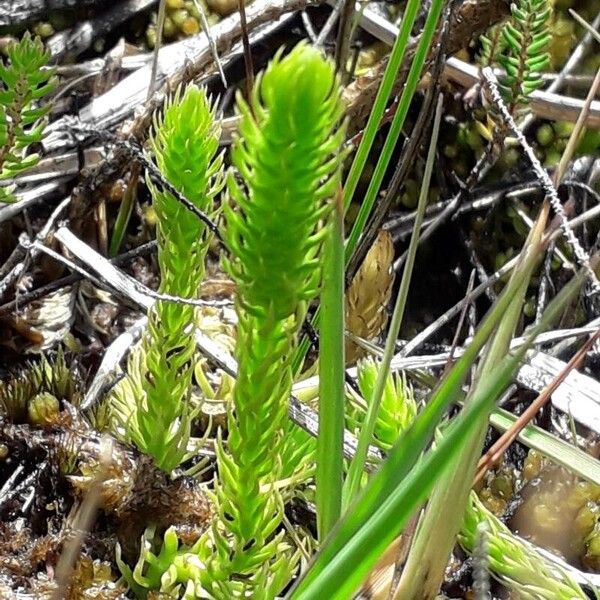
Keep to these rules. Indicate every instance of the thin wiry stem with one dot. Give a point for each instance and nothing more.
(356, 468)
(211, 41)
(248, 63)
(344, 38)
(551, 194)
(160, 23)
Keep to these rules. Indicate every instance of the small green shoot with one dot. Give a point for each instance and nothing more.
(24, 81)
(184, 143)
(526, 38)
(398, 406)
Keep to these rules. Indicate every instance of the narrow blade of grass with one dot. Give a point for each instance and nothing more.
(408, 92)
(383, 95)
(124, 214)
(392, 496)
(352, 483)
(426, 563)
(362, 153)
(558, 451)
(330, 441)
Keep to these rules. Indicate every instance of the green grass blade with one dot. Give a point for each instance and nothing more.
(557, 450)
(408, 92)
(361, 538)
(369, 133)
(357, 465)
(390, 498)
(330, 441)
(420, 433)
(426, 562)
(123, 217)
(383, 95)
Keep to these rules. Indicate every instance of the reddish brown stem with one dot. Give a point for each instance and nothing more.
(494, 454)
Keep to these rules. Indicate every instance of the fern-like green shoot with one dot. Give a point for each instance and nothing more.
(24, 80)
(526, 37)
(492, 44)
(184, 144)
(289, 158)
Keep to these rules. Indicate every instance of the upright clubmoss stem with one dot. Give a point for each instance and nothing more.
(289, 157)
(185, 141)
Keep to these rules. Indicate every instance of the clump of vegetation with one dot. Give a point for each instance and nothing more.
(290, 141)
(35, 393)
(174, 570)
(397, 410)
(155, 407)
(24, 80)
(255, 533)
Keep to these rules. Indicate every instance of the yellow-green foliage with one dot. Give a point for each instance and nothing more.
(518, 566)
(172, 570)
(184, 143)
(526, 36)
(24, 80)
(397, 410)
(289, 157)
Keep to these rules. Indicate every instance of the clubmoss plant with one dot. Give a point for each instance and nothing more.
(24, 80)
(520, 46)
(518, 566)
(172, 571)
(184, 144)
(397, 410)
(289, 158)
